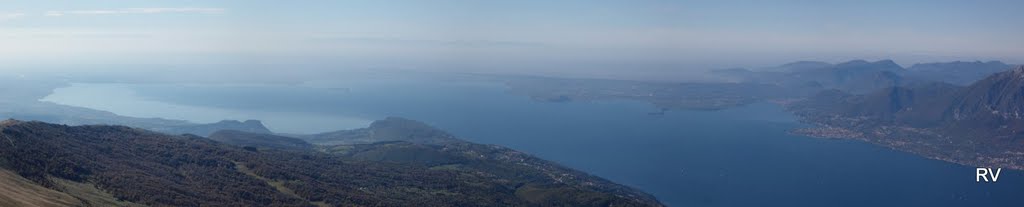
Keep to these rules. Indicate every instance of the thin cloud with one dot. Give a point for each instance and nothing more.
(136, 11)
(399, 41)
(10, 16)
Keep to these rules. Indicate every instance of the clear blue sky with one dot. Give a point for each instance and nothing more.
(594, 35)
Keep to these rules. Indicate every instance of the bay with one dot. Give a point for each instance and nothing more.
(735, 157)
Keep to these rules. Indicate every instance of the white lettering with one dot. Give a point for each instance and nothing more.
(982, 172)
(986, 173)
(996, 174)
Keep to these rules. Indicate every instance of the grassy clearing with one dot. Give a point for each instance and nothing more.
(18, 191)
(279, 185)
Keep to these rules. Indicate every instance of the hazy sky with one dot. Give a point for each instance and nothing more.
(527, 35)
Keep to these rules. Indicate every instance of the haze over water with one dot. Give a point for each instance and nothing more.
(735, 157)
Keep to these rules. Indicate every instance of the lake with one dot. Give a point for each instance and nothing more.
(735, 157)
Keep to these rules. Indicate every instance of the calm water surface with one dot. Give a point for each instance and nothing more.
(735, 157)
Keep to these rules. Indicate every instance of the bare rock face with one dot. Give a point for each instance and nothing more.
(998, 96)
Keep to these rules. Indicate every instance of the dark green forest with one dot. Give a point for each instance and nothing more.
(156, 169)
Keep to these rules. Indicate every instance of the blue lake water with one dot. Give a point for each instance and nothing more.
(735, 157)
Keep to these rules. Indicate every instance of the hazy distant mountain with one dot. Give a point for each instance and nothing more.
(863, 82)
(958, 72)
(981, 123)
(389, 129)
(895, 105)
(252, 126)
(259, 140)
(863, 65)
(860, 76)
(843, 72)
(1000, 96)
(121, 166)
(798, 66)
(801, 66)
(857, 76)
(773, 75)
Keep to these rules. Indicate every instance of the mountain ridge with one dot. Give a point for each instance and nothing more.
(956, 72)
(982, 122)
(150, 168)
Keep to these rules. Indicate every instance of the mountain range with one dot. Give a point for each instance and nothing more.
(963, 112)
(99, 165)
(981, 122)
(860, 76)
(957, 72)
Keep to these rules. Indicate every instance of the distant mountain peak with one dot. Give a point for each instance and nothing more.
(803, 66)
(805, 62)
(976, 125)
(886, 61)
(854, 62)
(889, 63)
(247, 125)
(250, 121)
(957, 72)
(877, 65)
(958, 65)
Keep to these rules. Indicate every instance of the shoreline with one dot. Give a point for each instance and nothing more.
(919, 148)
